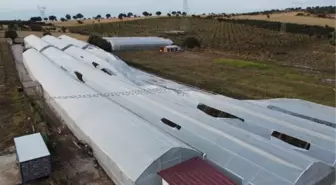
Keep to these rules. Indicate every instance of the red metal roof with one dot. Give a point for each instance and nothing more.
(194, 172)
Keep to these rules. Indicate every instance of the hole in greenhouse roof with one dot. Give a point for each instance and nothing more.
(171, 124)
(79, 76)
(107, 71)
(95, 64)
(291, 140)
(217, 113)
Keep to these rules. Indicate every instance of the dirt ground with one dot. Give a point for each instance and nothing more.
(20, 115)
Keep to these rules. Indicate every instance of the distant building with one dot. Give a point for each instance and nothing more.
(171, 48)
(137, 43)
(33, 157)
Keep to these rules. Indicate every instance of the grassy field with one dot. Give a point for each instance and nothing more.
(236, 78)
(291, 17)
(13, 107)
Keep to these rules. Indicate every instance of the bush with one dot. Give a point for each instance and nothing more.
(35, 27)
(191, 42)
(300, 14)
(80, 22)
(100, 42)
(11, 34)
(63, 29)
(46, 33)
(332, 42)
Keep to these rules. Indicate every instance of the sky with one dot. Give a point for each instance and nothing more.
(24, 9)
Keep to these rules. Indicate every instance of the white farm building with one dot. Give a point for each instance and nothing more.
(142, 136)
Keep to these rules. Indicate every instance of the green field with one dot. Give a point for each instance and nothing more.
(234, 59)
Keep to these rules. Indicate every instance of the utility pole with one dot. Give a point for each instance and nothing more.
(42, 10)
(185, 22)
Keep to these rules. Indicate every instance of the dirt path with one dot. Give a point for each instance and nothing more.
(71, 165)
(9, 172)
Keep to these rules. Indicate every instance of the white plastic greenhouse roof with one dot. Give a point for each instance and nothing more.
(126, 43)
(90, 59)
(302, 109)
(88, 47)
(56, 42)
(243, 150)
(32, 41)
(76, 42)
(124, 143)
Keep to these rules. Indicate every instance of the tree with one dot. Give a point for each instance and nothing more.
(191, 42)
(63, 29)
(53, 18)
(11, 34)
(79, 16)
(63, 19)
(121, 16)
(98, 16)
(184, 13)
(35, 27)
(68, 16)
(168, 14)
(100, 42)
(36, 19)
(173, 12)
(108, 16)
(150, 14)
(145, 13)
(158, 13)
(46, 33)
(46, 19)
(178, 12)
(130, 14)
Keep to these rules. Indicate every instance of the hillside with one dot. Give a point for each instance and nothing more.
(236, 60)
(291, 17)
(236, 39)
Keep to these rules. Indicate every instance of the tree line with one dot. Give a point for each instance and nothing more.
(80, 16)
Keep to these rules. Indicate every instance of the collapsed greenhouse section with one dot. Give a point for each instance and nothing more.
(137, 133)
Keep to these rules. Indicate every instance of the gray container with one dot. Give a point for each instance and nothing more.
(33, 157)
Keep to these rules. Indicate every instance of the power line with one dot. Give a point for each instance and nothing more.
(42, 10)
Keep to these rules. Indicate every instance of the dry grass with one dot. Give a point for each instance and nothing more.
(291, 17)
(23, 34)
(92, 21)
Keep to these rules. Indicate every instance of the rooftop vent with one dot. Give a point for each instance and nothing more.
(291, 140)
(216, 113)
(171, 124)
